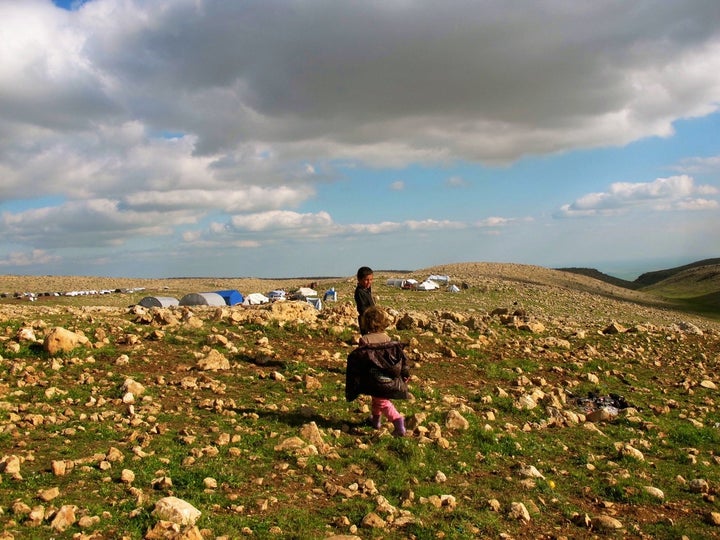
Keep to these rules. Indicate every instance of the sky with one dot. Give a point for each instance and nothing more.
(288, 138)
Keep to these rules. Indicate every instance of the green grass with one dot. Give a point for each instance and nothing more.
(179, 429)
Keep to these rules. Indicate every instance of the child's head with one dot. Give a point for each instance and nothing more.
(365, 276)
(374, 319)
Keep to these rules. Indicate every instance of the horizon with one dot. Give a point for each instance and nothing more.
(420, 135)
(630, 272)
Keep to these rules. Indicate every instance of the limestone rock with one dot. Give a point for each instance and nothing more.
(518, 511)
(454, 420)
(176, 510)
(606, 523)
(214, 361)
(61, 340)
(64, 518)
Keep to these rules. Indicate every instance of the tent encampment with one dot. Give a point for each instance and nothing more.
(158, 301)
(231, 297)
(202, 299)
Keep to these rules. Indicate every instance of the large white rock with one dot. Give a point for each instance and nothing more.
(176, 510)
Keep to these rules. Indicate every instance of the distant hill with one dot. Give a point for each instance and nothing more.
(596, 274)
(651, 278)
(695, 285)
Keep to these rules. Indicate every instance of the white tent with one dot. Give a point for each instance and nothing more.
(158, 301)
(306, 292)
(255, 298)
(202, 299)
(277, 294)
(395, 282)
(453, 288)
(439, 279)
(427, 285)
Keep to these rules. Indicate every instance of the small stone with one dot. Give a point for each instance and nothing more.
(654, 492)
(698, 485)
(176, 510)
(47, 495)
(373, 521)
(127, 476)
(64, 518)
(455, 420)
(606, 523)
(210, 483)
(519, 511)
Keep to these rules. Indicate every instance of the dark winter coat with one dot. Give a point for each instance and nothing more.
(377, 369)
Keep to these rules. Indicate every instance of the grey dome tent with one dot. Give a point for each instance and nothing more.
(231, 297)
(158, 301)
(202, 299)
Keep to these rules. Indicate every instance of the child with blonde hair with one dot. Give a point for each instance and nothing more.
(378, 367)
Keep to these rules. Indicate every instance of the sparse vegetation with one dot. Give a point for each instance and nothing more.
(226, 440)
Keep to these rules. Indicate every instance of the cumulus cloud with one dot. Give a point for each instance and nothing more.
(91, 223)
(251, 230)
(673, 193)
(698, 165)
(32, 258)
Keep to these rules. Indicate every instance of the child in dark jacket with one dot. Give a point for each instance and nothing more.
(378, 367)
(363, 293)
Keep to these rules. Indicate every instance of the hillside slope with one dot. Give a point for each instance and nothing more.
(651, 278)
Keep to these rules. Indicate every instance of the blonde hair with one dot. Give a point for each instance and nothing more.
(374, 319)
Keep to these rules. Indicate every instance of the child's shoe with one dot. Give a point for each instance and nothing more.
(399, 427)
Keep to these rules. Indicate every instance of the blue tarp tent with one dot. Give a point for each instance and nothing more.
(231, 297)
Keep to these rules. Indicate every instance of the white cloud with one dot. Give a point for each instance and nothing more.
(673, 193)
(91, 223)
(698, 165)
(34, 257)
(398, 185)
(455, 182)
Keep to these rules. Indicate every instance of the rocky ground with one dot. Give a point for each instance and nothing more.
(545, 405)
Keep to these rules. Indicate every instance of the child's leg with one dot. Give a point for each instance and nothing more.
(382, 406)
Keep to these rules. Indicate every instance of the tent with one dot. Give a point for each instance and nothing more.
(395, 282)
(453, 288)
(315, 302)
(439, 279)
(158, 301)
(305, 292)
(277, 294)
(231, 297)
(428, 285)
(202, 299)
(330, 294)
(255, 298)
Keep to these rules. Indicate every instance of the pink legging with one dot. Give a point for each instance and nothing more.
(384, 406)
